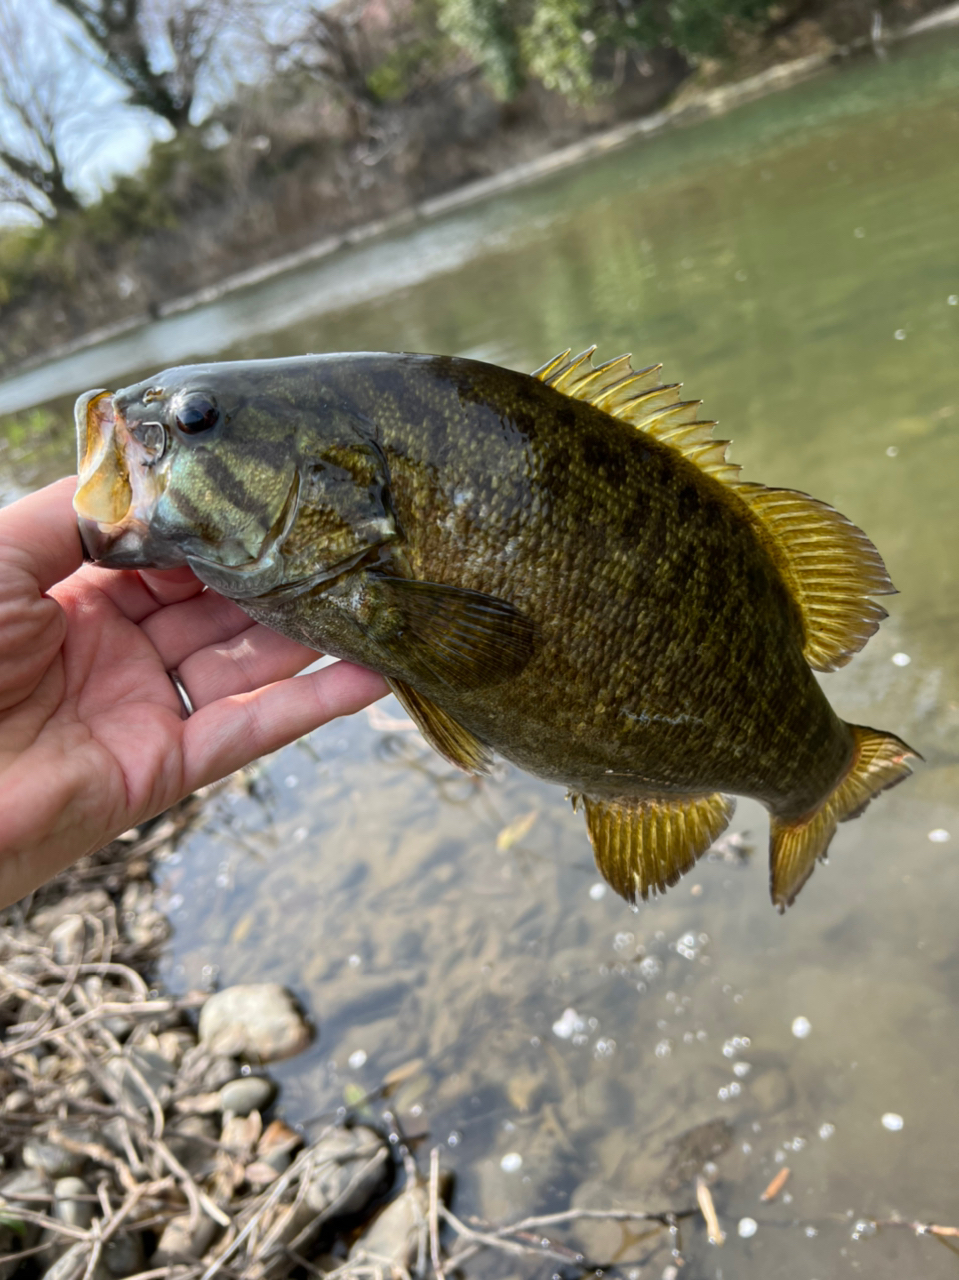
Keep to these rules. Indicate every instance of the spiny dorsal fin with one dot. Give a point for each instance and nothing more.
(645, 847)
(830, 568)
(828, 564)
(642, 400)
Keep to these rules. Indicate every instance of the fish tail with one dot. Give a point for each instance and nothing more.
(879, 762)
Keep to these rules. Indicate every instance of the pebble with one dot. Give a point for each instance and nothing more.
(892, 1122)
(69, 940)
(393, 1235)
(157, 1074)
(338, 1162)
(350, 1168)
(258, 1020)
(939, 835)
(123, 1254)
(72, 1265)
(47, 1157)
(747, 1227)
(512, 1162)
(178, 1241)
(72, 1202)
(801, 1027)
(248, 1093)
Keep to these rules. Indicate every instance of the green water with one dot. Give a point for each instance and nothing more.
(797, 263)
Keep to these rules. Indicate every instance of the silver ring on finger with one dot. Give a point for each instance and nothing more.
(185, 701)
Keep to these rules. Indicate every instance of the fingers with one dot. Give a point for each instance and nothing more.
(40, 535)
(230, 733)
(179, 630)
(138, 595)
(255, 657)
(168, 586)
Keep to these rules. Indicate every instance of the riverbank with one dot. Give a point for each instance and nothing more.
(541, 136)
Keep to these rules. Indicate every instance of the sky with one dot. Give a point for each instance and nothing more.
(103, 136)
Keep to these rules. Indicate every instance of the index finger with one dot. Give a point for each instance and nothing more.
(40, 535)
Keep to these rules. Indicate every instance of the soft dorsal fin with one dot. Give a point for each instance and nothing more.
(830, 568)
(828, 564)
(644, 401)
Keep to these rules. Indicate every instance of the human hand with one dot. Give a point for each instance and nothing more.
(92, 734)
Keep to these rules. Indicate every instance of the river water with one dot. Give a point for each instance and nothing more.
(797, 263)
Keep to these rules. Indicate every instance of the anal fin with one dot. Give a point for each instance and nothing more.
(454, 743)
(645, 847)
(881, 760)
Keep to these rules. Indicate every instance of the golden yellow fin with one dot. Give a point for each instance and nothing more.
(881, 760)
(644, 848)
(642, 400)
(442, 732)
(830, 568)
(828, 564)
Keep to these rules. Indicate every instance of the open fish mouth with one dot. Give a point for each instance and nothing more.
(116, 493)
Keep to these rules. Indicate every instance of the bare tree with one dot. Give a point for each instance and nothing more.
(42, 110)
(167, 53)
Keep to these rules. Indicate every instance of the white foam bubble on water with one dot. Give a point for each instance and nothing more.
(801, 1027)
(901, 659)
(939, 836)
(892, 1121)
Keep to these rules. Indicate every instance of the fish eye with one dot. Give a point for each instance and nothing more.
(196, 414)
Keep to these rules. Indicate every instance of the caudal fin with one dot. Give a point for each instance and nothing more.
(880, 762)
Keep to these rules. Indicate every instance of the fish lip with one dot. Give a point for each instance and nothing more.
(115, 500)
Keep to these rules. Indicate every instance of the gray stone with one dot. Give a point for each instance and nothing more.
(72, 1265)
(48, 1158)
(248, 1093)
(72, 1203)
(258, 1020)
(395, 1233)
(157, 1074)
(350, 1167)
(123, 1254)
(68, 940)
(204, 1072)
(91, 902)
(178, 1242)
(14, 1232)
(193, 1142)
(347, 1172)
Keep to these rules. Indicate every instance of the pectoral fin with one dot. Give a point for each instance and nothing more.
(464, 638)
(644, 848)
(441, 731)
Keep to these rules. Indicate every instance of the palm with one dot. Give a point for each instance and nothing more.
(92, 737)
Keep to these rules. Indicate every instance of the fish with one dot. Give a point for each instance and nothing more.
(562, 568)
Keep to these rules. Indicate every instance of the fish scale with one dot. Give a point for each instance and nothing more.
(562, 568)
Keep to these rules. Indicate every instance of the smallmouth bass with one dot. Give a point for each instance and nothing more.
(560, 567)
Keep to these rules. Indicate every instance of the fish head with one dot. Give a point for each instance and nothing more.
(243, 471)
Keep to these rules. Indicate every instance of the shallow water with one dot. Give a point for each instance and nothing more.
(797, 262)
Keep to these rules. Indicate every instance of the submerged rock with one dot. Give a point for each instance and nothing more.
(258, 1020)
